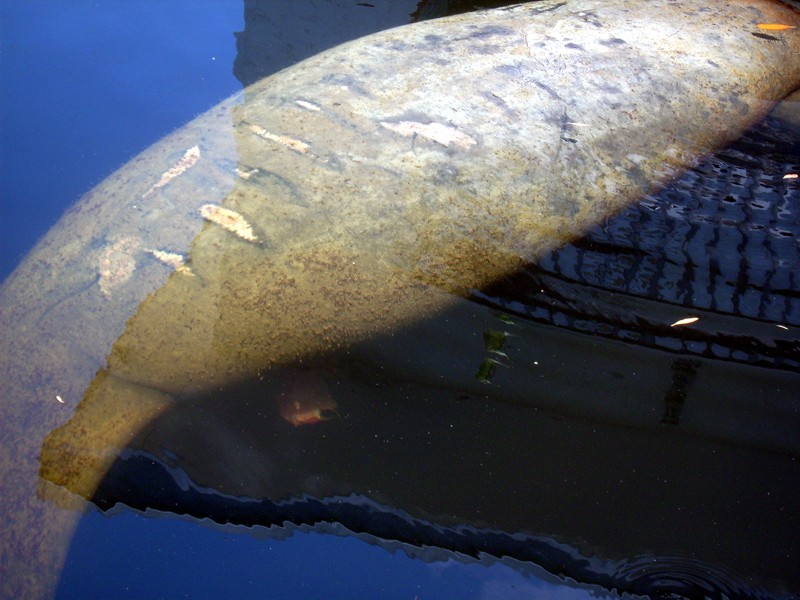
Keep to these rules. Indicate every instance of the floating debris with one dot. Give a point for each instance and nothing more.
(60, 399)
(229, 220)
(686, 321)
(791, 176)
(307, 105)
(435, 132)
(117, 263)
(298, 414)
(172, 259)
(291, 143)
(190, 158)
(783, 327)
(775, 26)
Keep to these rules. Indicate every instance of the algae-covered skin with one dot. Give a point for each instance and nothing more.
(379, 181)
(369, 174)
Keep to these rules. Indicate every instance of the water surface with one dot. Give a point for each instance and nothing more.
(626, 446)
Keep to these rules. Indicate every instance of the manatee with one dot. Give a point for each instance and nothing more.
(350, 197)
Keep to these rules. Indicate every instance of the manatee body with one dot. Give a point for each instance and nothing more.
(351, 195)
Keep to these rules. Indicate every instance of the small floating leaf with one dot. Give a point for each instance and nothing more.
(775, 26)
(686, 321)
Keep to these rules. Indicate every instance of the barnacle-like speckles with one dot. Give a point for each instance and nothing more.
(117, 263)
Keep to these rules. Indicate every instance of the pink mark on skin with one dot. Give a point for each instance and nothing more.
(305, 400)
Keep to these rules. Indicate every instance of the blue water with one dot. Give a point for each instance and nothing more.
(131, 556)
(85, 86)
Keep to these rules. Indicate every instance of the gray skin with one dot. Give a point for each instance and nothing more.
(387, 178)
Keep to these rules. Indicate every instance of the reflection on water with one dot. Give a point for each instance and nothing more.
(720, 243)
(419, 455)
(287, 562)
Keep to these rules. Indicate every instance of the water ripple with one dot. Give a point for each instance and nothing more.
(680, 577)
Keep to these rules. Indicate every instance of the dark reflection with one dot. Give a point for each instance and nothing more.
(720, 243)
(267, 45)
(683, 372)
(474, 468)
(280, 33)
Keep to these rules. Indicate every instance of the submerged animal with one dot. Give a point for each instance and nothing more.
(345, 198)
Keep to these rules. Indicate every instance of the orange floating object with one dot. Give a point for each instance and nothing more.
(775, 26)
(686, 321)
(306, 400)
